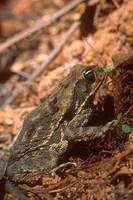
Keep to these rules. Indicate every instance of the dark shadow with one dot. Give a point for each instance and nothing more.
(87, 21)
(2, 189)
(109, 108)
(6, 61)
(6, 76)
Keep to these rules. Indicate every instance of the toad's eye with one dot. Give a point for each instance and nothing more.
(89, 75)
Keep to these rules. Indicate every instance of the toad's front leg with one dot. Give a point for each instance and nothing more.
(86, 126)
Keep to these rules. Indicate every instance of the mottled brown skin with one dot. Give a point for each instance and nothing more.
(62, 119)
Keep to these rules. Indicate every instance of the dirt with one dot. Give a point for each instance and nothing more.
(108, 173)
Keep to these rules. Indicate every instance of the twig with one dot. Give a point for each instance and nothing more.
(116, 3)
(50, 58)
(120, 158)
(97, 13)
(128, 110)
(39, 25)
(61, 189)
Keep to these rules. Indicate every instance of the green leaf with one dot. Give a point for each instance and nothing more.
(120, 116)
(108, 68)
(126, 128)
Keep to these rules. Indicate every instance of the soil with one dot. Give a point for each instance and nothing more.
(106, 28)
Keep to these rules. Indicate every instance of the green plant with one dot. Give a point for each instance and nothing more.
(118, 122)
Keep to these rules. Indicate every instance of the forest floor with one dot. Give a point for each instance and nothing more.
(108, 27)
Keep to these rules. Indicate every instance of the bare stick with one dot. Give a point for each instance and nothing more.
(116, 3)
(39, 25)
(49, 59)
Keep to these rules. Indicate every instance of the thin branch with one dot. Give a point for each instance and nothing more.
(49, 59)
(40, 24)
(116, 3)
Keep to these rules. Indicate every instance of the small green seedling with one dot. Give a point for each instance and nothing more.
(126, 128)
(108, 69)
